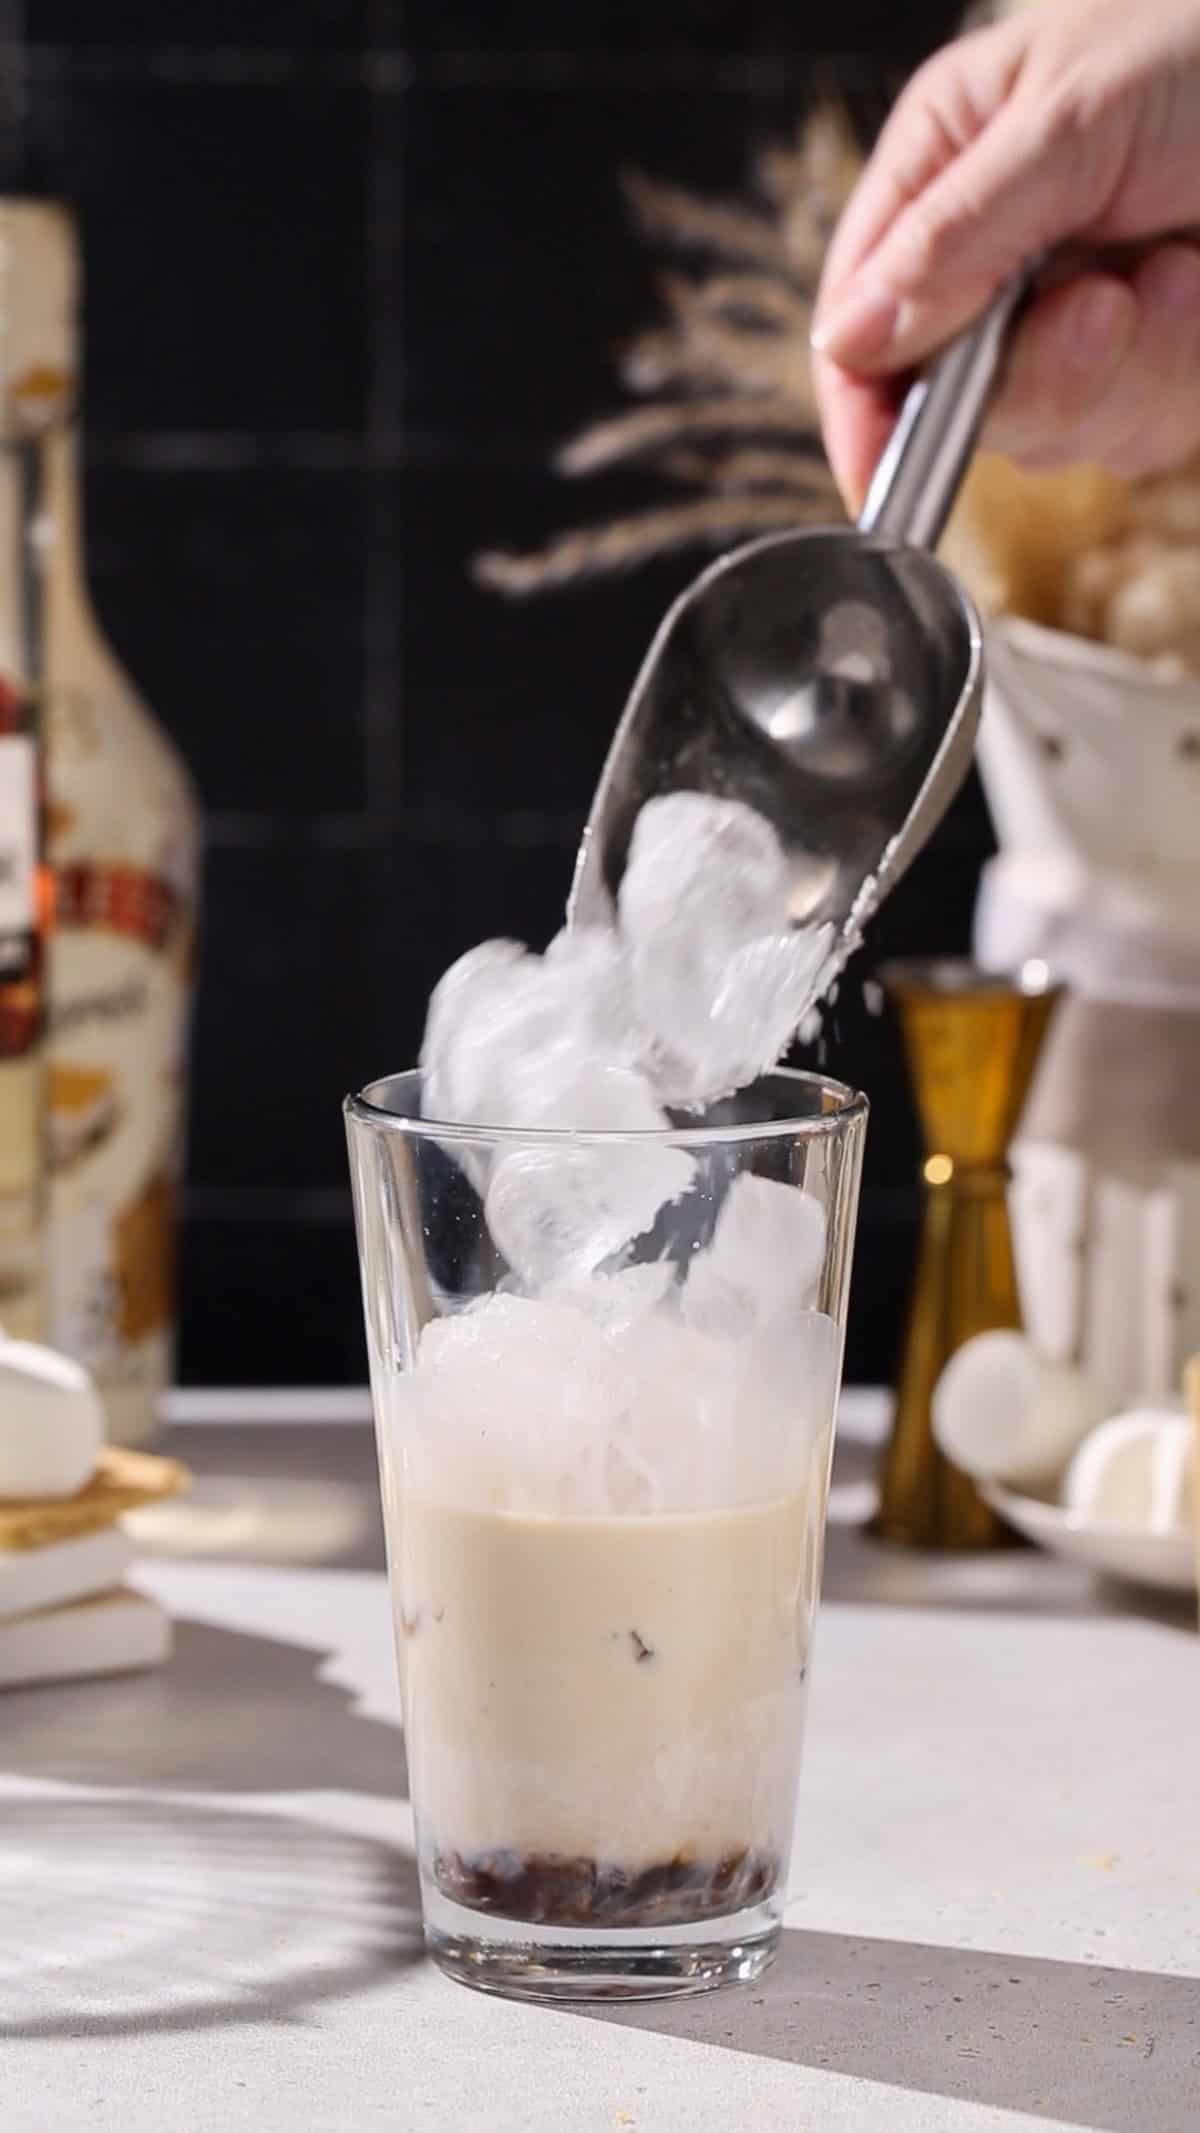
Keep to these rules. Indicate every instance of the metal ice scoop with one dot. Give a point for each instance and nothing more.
(831, 677)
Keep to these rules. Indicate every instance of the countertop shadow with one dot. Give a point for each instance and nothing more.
(1114, 2051)
(231, 1712)
(125, 1915)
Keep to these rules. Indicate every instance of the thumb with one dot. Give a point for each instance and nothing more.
(1013, 191)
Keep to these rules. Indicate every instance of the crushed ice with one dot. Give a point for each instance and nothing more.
(590, 1383)
(697, 990)
(585, 1407)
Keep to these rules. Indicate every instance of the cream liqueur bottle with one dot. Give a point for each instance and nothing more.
(122, 840)
(24, 901)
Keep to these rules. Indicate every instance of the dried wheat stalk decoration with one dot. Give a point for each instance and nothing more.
(732, 417)
(627, 541)
(649, 430)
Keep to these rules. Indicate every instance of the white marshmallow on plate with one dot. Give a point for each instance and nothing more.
(51, 1423)
(1135, 1470)
(1002, 1413)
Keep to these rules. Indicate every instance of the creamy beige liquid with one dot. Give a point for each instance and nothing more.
(624, 1692)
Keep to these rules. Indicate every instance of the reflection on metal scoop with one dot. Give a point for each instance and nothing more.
(831, 678)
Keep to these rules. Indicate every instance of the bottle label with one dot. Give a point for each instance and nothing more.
(115, 1085)
(123, 848)
(119, 899)
(18, 849)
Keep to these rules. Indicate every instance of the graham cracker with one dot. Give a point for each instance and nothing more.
(123, 1481)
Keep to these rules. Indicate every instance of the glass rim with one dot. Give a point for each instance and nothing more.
(849, 1104)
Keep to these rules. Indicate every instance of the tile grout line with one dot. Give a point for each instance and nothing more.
(390, 66)
(644, 73)
(313, 451)
(383, 735)
(236, 451)
(464, 829)
(214, 65)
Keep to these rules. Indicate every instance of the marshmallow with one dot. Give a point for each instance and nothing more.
(51, 1423)
(1002, 1413)
(1135, 1470)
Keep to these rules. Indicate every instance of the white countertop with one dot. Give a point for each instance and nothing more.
(208, 1905)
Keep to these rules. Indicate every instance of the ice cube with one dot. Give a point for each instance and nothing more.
(680, 1409)
(558, 1212)
(720, 981)
(496, 1334)
(618, 1301)
(482, 1007)
(592, 965)
(566, 1087)
(515, 1039)
(699, 991)
(769, 987)
(505, 1403)
(764, 1262)
(697, 862)
(758, 1002)
(670, 1444)
(786, 1398)
(704, 876)
(533, 1406)
(541, 1407)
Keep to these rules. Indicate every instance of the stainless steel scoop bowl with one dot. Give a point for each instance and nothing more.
(831, 677)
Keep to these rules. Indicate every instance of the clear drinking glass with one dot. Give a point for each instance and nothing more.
(605, 1518)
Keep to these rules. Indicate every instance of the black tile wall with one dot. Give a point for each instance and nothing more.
(260, 572)
(523, 185)
(353, 268)
(502, 711)
(272, 1297)
(715, 28)
(145, 25)
(283, 1026)
(222, 224)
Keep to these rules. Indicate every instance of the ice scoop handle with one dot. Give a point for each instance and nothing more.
(921, 466)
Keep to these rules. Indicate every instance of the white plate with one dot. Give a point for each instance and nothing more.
(1165, 1560)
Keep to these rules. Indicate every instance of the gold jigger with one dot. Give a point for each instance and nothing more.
(972, 1043)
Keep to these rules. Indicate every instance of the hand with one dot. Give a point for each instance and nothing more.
(1073, 124)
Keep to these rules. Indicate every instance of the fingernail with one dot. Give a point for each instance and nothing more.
(858, 325)
(1102, 321)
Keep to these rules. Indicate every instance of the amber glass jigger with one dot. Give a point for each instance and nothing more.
(972, 1042)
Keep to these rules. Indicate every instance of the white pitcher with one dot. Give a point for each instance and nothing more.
(1091, 764)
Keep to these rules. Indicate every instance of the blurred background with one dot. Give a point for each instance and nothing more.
(354, 269)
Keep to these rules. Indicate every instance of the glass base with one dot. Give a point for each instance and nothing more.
(552, 1963)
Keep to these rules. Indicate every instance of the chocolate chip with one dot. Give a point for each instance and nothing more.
(547, 1888)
